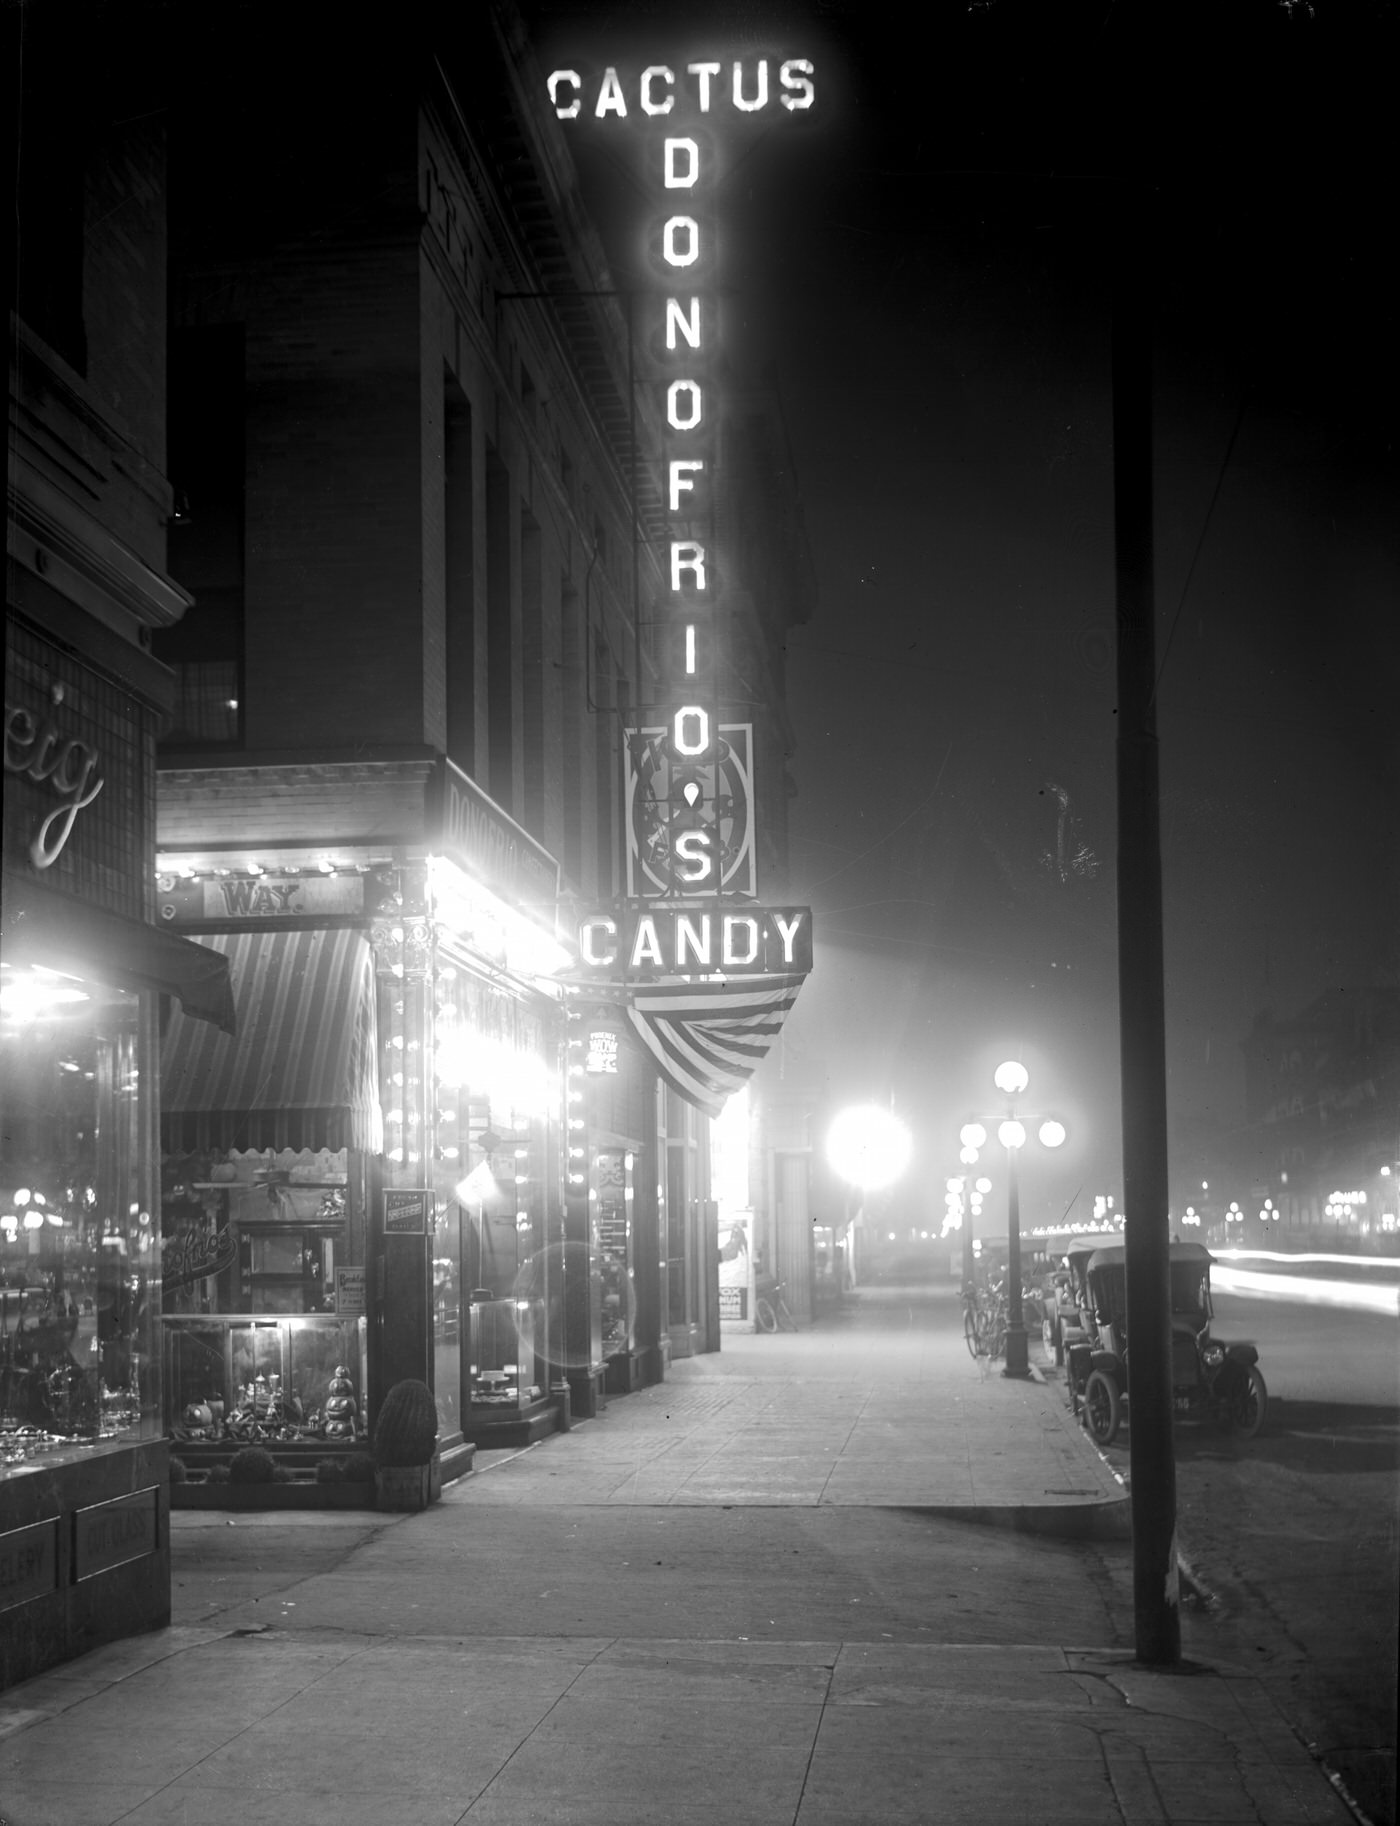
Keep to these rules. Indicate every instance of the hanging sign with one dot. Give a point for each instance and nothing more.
(726, 939)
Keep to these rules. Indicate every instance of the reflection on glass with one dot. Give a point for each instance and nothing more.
(79, 1292)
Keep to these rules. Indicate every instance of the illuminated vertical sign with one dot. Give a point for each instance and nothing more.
(689, 783)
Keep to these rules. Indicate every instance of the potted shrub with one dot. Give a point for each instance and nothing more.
(408, 1469)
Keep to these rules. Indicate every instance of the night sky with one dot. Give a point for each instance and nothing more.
(927, 262)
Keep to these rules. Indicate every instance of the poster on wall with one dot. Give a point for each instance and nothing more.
(736, 1270)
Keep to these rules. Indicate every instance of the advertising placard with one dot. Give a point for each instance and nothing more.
(406, 1210)
(736, 1270)
(350, 1292)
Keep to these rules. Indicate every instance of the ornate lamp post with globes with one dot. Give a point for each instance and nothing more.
(1011, 1079)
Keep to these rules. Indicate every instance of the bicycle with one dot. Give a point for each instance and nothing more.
(984, 1320)
(770, 1311)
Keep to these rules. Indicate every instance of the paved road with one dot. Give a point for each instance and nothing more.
(1295, 1535)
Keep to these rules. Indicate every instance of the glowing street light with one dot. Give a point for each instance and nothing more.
(868, 1146)
(1011, 1079)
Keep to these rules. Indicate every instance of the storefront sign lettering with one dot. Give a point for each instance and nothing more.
(748, 88)
(28, 1563)
(110, 1534)
(196, 1254)
(37, 749)
(492, 846)
(692, 942)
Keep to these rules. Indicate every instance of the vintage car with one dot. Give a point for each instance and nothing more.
(1210, 1379)
(1068, 1316)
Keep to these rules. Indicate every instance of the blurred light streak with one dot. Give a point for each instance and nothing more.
(1303, 1290)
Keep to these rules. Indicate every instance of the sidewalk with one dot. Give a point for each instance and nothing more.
(573, 1633)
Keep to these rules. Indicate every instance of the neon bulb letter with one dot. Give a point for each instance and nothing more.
(803, 92)
(694, 846)
(787, 932)
(674, 417)
(751, 107)
(681, 482)
(669, 78)
(682, 164)
(611, 100)
(585, 940)
(671, 235)
(687, 555)
(646, 946)
(688, 325)
(569, 109)
(687, 938)
(696, 742)
(733, 923)
(704, 71)
(690, 649)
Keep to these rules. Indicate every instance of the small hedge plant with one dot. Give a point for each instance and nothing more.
(405, 1431)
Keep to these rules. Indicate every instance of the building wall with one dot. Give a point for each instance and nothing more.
(86, 586)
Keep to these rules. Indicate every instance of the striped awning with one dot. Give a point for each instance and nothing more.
(708, 1038)
(301, 1070)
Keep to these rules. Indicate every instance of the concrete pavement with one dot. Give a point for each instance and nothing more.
(732, 1597)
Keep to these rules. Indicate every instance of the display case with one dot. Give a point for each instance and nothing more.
(286, 1380)
(497, 1385)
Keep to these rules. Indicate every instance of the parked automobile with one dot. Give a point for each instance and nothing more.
(1068, 1315)
(1210, 1378)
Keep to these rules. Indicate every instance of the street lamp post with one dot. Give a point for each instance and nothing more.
(1011, 1079)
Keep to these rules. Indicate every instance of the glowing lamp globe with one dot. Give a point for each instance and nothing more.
(868, 1146)
(1012, 1135)
(1052, 1134)
(972, 1135)
(1011, 1077)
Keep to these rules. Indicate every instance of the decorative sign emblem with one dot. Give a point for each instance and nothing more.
(690, 817)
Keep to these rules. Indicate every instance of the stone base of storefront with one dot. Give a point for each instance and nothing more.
(521, 1427)
(587, 1393)
(87, 1551)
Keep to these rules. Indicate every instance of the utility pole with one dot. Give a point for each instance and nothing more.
(1141, 1002)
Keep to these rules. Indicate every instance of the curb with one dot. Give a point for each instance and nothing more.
(1101, 1519)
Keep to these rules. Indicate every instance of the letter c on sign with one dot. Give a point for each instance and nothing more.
(566, 110)
(649, 104)
(586, 945)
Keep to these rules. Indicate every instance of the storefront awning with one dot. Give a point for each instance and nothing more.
(301, 1071)
(42, 926)
(708, 1038)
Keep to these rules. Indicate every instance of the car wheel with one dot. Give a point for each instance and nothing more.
(1249, 1405)
(1103, 1408)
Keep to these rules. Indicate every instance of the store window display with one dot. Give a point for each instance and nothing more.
(79, 1253)
(264, 1310)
